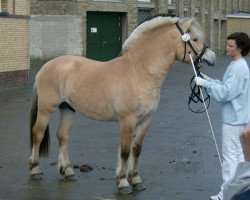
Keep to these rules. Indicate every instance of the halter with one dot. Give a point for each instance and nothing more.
(186, 39)
(195, 96)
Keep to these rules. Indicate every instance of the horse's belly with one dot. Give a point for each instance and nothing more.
(98, 113)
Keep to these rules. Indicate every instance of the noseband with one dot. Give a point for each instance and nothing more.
(195, 96)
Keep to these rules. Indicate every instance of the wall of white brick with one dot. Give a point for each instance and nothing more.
(55, 35)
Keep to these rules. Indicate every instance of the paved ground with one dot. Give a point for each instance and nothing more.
(178, 161)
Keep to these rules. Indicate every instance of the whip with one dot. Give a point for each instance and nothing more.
(211, 127)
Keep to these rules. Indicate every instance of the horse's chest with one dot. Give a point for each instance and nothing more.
(147, 104)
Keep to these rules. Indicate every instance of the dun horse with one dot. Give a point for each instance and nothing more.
(125, 89)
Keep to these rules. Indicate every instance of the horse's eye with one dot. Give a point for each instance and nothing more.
(195, 39)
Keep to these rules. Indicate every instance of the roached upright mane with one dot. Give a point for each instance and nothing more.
(157, 21)
(148, 24)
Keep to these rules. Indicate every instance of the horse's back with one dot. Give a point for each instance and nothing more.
(68, 63)
(59, 69)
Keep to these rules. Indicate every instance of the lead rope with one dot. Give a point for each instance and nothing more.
(206, 111)
(195, 96)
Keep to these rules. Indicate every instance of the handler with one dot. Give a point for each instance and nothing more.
(234, 95)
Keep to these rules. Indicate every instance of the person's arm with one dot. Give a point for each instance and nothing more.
(221, 91)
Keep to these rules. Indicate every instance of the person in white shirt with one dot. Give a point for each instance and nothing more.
(233, 92)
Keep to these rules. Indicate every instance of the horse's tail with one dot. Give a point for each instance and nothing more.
(44, 146)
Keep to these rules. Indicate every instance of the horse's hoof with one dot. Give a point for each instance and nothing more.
(36, 173)
(36, 176)
(71, 178)
(139, 187)
(125, 190)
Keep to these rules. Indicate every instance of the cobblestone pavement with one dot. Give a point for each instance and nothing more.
(178, 161)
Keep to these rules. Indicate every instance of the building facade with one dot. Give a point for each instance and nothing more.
(98, 28)
(60, 27)
(14, 42)
(73, 26)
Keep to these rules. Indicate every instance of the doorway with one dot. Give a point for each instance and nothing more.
(104, 35)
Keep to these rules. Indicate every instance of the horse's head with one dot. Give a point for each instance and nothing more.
(191, 40)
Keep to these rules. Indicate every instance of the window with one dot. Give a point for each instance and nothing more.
(0, 5)
(142, 15)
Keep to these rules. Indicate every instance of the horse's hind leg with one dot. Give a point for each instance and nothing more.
(38, 130)
(133, 175)
(127, 130)
(65, 127)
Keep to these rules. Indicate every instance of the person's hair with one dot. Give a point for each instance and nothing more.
(242, 41)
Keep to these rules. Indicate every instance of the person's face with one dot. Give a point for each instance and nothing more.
(232, 50)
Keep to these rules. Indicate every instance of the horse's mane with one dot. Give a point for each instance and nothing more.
(147, 25)
(158, 15)
(156, 21)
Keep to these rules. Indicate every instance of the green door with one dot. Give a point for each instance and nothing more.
(103, 35)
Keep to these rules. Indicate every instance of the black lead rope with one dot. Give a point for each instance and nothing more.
(196, 97)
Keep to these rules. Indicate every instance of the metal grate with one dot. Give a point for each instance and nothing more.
(142, 15)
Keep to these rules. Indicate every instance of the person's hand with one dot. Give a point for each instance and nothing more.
(199, 81)
(245, 142)
(205, 76)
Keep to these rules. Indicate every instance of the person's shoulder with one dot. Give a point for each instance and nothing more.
(242, 61)
(240, 66)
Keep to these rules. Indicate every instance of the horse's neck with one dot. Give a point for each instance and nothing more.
(151, 62)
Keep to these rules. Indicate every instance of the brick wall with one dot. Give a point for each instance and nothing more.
(55, 35)
(18, 7)
(238, 24)
(211, 13)
(22, 7)
(14, 78)
(59, 27)
(14, 43)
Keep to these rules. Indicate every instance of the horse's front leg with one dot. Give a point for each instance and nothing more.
(133, 175)
(65, 127)
(126, 133)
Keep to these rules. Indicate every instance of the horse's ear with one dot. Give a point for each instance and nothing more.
(185, 24)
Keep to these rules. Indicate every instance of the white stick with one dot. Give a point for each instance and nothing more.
(206, 112)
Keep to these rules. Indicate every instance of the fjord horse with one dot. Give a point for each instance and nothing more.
(125, 89)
